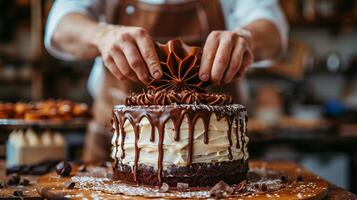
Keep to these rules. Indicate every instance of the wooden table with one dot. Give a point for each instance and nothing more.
(334, 192)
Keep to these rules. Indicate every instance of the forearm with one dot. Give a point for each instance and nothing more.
(74, 34)
(267, 42)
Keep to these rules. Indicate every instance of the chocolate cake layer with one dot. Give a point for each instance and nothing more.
(197, 174)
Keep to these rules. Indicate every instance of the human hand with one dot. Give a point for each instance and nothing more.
(226, 55)
(128, 52)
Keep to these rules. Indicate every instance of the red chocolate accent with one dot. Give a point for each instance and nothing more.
(159, 115)
(180, 64)
(164, 97)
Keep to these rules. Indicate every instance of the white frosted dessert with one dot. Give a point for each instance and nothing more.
(173, 138)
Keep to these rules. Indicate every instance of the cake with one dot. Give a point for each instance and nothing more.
(176, 132)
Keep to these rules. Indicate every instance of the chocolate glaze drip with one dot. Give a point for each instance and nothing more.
(159, 115)
(168, 97)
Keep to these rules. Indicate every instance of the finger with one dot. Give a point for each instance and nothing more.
(209, 51)
(110, 64)
(235, 63)
(247, 61)
(147, 50)
(135, 60)
(221, 60)
(122, 64)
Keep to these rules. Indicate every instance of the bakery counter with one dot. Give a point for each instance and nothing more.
(30, 191)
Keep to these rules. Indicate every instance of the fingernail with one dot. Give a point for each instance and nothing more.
(204, 77)
(157, 74)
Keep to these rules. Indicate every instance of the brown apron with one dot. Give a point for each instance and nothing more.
(190, 21)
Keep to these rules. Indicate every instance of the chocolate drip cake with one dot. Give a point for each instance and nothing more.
(176, 132)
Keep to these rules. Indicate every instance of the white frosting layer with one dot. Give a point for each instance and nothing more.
(176, 152)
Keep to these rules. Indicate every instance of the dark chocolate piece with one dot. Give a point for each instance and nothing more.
(24, 182)
(69, 185)
(63, 168)
(18, 193)
(221, 189)
(300, 178)
(13, 179)
(284, 179)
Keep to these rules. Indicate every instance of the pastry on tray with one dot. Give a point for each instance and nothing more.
(47, 109)
(176, 132)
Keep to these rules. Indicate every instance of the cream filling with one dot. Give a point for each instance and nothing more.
(176, 152)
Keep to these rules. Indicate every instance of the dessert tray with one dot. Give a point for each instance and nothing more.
(276, 180)
(77, 123)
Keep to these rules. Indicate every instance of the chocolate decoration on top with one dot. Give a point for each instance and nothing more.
(168, 97)
(180, 65)
(159, 115)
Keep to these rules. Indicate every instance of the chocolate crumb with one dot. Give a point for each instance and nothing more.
(241, 187)
(82, 168)
(253, 176)
(164, 187)
(18, 193)
(182, 186)
(13, 179)
(264, 187)
(300, 178)
(284, 178)
(64, 168)
(69, 185)
(221, 189)
(24, 182)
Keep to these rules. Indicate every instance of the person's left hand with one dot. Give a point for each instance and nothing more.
(226, 55)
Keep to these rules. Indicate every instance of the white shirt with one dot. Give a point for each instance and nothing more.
(237, 13)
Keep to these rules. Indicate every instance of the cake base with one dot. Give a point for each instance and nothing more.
(91, 185)
(198, 174)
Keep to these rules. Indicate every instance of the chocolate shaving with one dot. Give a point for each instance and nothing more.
(164, 187)
(82, 168)
(69, 185)
(182, 187)
(241, 187)
(220, 190)
(63, 168)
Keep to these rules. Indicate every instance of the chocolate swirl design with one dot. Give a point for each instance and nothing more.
(180, 65)
(169, 97)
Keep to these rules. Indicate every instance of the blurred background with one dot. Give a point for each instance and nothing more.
(302, 107)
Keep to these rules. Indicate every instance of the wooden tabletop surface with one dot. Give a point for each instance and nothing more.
(335, 193)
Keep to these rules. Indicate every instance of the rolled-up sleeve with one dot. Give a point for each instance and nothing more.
(60, 8)
(247, 11)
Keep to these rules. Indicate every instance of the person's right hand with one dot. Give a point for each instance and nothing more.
(128, 52)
